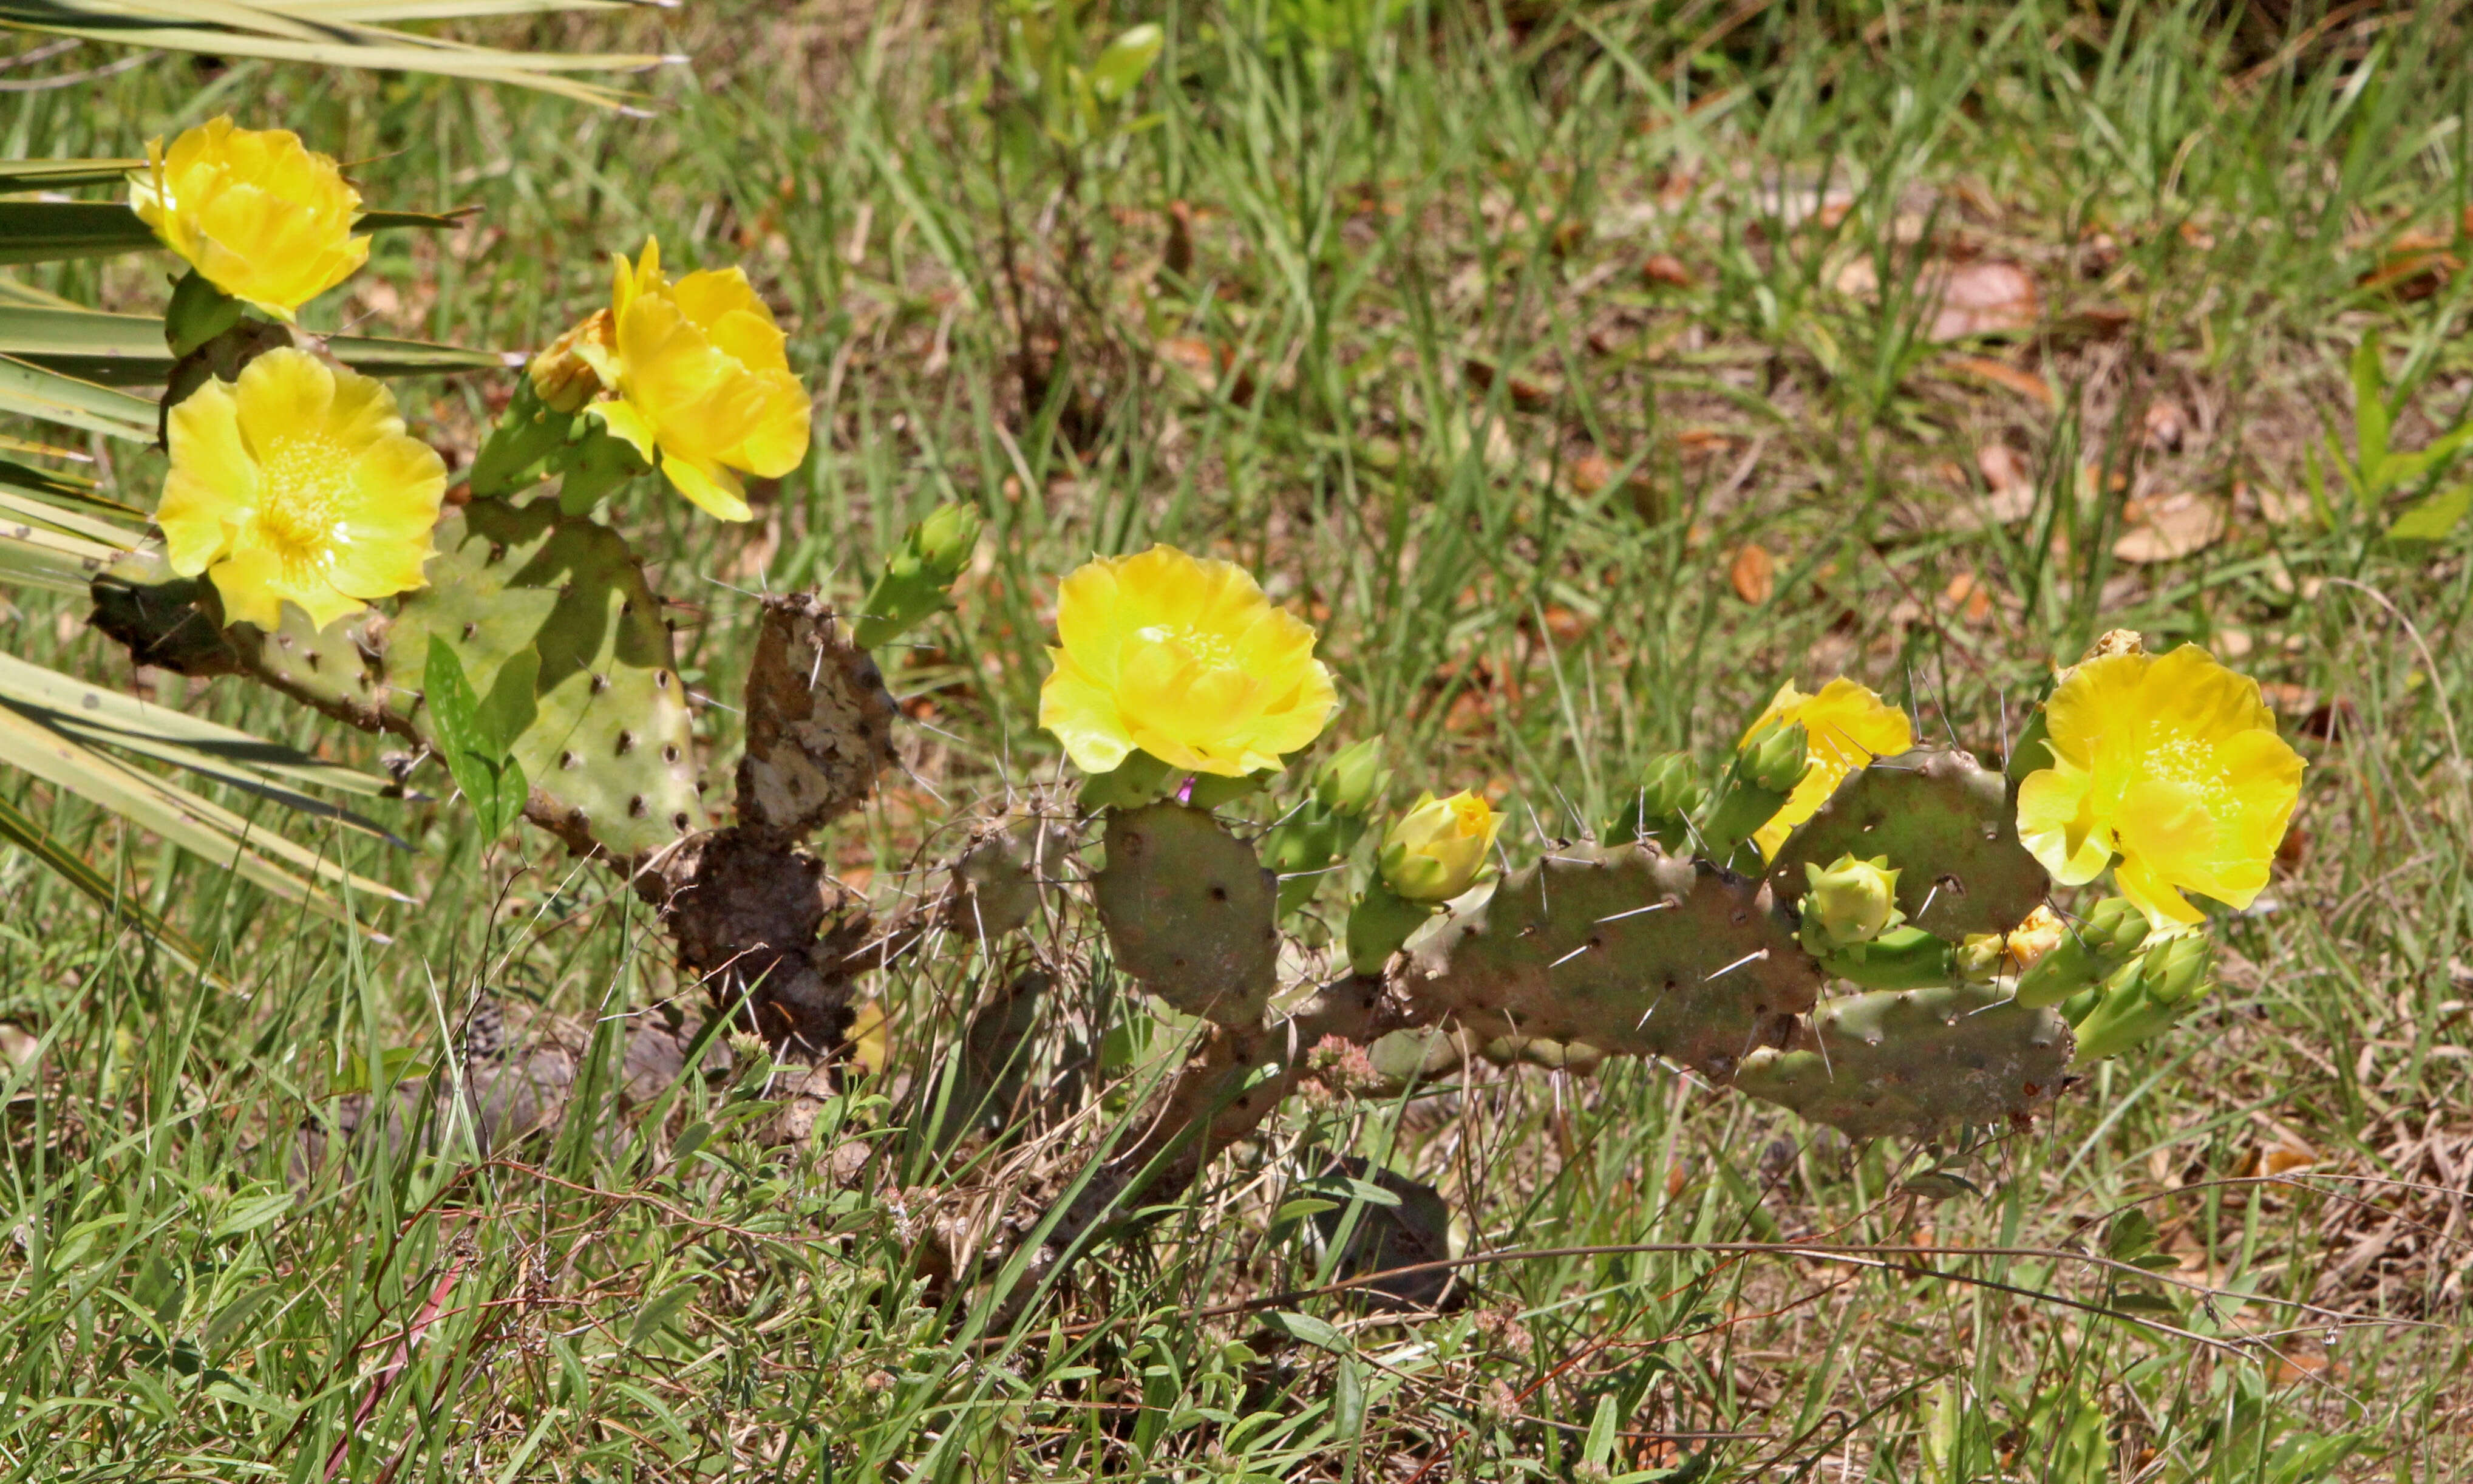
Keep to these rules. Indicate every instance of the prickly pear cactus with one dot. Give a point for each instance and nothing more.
(609, 751)
(1625, 949)
(818, 722)
(175, 623)
(1189, 912)
(1915, 1061)
(998, 883)
(1946, 824)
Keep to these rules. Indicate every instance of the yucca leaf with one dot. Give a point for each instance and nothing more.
(30, 391)
(195, 823)
(58, 493)
(328, 34)
(53, 231)
(176, 736)
(61, 175)
(18, 828)
(128, 350)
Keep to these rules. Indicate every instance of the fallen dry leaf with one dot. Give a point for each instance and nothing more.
(1967, 597)
(2171, 527)
(1592, 472)
(1753, 572)
(1527, 395)
(2001, 374)
(1667, 269)
(2415, 266)
(1984, 297)
(1989, 297)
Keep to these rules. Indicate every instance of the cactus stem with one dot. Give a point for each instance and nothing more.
(1655, 906)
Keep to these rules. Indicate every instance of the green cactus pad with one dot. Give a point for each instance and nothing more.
(1625, 949)
(818, 722)
(1189, 912)
(175, 623)
(1915, 1061)
(609, 751)
(998, 883)
(1946, 824)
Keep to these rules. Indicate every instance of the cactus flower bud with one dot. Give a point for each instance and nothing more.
(2175, 969)
(1352, 781)
(2081, 955)
(915, 578)
(2114, 929)
(1670, 787)
(946, 539)
(579, 365)
(1852, 901)
(1438, 849)
(1773, 759)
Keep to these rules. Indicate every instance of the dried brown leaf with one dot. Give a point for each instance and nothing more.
(1753, 572)
(2171, 527)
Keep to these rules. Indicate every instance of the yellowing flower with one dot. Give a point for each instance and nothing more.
(1845, 726)
(579, 365)
(1439, 848)
(297, 482)
(2172, 764)
(1183, 659)
(704, 390)
(258, 213)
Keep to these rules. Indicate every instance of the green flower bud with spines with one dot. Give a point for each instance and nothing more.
(1764, 772)
(1774, 760)
(1849, 903)
(2145, 996)
(2090, 950)
(1670, 792)
(1353, 780)
(2175, 970)
(913, 585)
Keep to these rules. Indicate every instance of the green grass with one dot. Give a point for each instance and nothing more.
(1524, 582)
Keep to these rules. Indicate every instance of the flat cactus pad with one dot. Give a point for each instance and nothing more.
(1191, 912)
(1625, 949)
(1915, 1061)
(1945, 822)
(609, 751)
(818, 722)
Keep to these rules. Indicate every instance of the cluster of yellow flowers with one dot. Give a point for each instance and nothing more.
(298, 483)
(2166, 770)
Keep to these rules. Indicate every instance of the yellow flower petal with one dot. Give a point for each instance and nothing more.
(297, 483)
(710, 487)
(1845, 728)
(2169, 769)
(1186, 660)
(256, 212)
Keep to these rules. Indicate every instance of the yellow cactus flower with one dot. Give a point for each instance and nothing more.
(1846, 726)
(1439, 848)
(703, 390)
(259, 214)
(1185, 658)
(297, 482)
(2170, 764)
